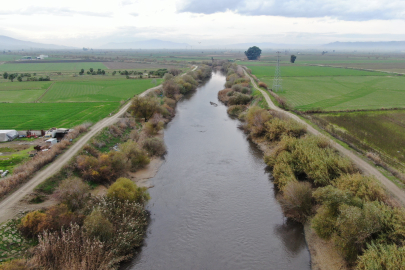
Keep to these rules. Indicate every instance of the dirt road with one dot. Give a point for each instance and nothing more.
(9, 207)
(360, 163)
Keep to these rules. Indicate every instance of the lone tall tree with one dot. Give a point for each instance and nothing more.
(292, 59)
(253, 53)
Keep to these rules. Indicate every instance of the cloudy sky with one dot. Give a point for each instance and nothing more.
(203, 22)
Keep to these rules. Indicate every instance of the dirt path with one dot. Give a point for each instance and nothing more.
(360, 163)
(44, 93)
(10, 206)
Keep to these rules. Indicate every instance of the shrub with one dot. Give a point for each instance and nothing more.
(236, 110)
(282, 172)
(115, 130)
(30, 224)
(296, 201)
(256, 119)
(154, 146)
(134, 135)
(16, 264)
(263, 85)
(73, 192)
(239, 99)
(154, 125)
(72, 249)
(382, 257)
(223, 95)
(97, 226)
(237, 88)
(126, 190)
(324, 222)
(91, 150)
(170, 88)
(136, 157)
(364, 187)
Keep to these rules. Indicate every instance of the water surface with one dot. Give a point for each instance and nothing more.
(213, 204)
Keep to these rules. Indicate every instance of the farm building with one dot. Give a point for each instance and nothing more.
(8, 135)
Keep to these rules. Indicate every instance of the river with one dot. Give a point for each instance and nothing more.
(213, 204)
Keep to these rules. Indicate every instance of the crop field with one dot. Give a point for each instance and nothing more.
(22, 116)
(20, 96)
(310, 71)
(8, 86)
(141, 66)
(90, 91)
(41, 67)
(336, 89)
(382, 130)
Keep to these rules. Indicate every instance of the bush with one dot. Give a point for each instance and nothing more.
(97, 226)
(16, 264)
(154, 146)
(31, 224)
(263, 85)
(296, 201)
(276, 128)
(382, 257)
(136, 157)
(171, 88)
(236, 110)
(324, 222)
(223, 95)
(364, 187)
(154, 125)
(134, 135)
(72, 249)
(126, 190)
(73, 192)
(256, 119)
(237, 88)
(239, 99)
(144, 107)
(91, 150)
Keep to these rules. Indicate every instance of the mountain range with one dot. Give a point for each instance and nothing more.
(8, 43)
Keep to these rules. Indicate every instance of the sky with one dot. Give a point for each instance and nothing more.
(89, 23)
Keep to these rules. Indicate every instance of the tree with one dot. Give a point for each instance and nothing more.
(82, 71)
(114, 72)
(103, 72)
(144, 107)
(5, 75)
(126, 190)
(19, 78)
(91, 70)
(11, 77)
(253, 53)
(293, 57)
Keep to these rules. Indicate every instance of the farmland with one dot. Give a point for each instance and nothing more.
(382, 130)
(23, 116)
(327, 88)
(56, 67)
(89, 91)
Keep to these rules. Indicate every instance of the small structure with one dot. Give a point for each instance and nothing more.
(42, 56)
(8, 135)
(52, 141)
(59, 133)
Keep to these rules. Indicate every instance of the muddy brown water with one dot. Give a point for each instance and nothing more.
(213, 204)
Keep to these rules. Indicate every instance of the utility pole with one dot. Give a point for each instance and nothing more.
(277, 76)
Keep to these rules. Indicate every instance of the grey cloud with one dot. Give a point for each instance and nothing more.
(55, 11)
(349, 10)
(134, 14)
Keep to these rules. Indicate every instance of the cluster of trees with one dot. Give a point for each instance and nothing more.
(91, 71)
(320, 186)
(19, 77)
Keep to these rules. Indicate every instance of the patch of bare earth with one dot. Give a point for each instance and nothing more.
(324, 255)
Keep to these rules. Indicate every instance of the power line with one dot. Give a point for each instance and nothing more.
(277, 76)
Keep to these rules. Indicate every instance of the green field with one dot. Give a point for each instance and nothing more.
(382, 130)
(9, 86)
(89, 91)
(336, 88)
(22, 116)
(310, 71)
(55, 67)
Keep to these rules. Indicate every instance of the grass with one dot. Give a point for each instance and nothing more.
(12, 243)
(309, 71)
(13, 86)
(54, 67)
(106, 90)
(46, 115)
(9, 162)
(382, 130)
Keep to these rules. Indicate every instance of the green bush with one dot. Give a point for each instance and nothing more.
(73, 192)
(126, 190)
(256, 119)
(239, 99)
(135, 156)
(382, 257)
(236, 110)
(96, 225)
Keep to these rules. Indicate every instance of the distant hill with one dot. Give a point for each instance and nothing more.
(8, 43)
(147, 44)
(380, 45)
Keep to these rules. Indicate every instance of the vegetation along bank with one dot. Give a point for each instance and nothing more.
(351, 214)
(96, 218)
